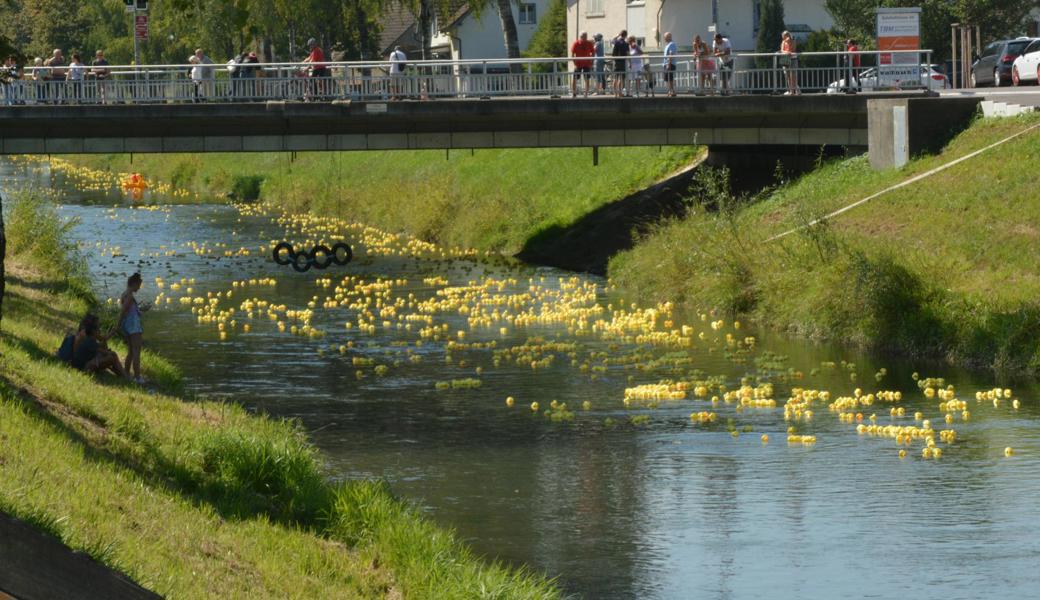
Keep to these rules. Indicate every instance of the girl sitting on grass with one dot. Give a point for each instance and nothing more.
(129, 325)
(87, 352)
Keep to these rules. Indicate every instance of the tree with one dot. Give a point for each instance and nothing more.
(997, 18)
(505, 15)
(770, 27)
(550, 39)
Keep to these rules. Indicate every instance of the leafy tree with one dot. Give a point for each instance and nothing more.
(512, 42)
(770, 27)
(550, 39)
(997, 18)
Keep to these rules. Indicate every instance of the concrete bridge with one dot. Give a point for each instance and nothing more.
(892, 125)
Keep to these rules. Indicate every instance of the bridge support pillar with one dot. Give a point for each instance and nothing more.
(900, 128)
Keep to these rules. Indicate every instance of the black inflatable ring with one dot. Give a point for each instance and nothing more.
(287, 259)
(319, 257)
(348, 254)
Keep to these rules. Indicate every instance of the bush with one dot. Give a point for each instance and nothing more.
(36, 232)
(246, 188)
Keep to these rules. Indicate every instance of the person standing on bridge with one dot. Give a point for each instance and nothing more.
(620, 52)
(77, 72)
(56, 69)
(318, 71)
(789, 61)
(670, 50)
(398, 61)
(582, 48)
(852, 59)
(600, 66)
(100, 71)
(196, 78)
(723, 51)
(636, 63)
(205, 72)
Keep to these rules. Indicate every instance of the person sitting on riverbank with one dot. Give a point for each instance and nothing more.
(86, 350)
(130, 326)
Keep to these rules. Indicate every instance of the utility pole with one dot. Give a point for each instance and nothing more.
(137, 8)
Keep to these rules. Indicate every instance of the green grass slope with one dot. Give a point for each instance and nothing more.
(193, 499)
(488, 199)
(947, 266)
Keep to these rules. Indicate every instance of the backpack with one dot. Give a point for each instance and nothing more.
(65, 351)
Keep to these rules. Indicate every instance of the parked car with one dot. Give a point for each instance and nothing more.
(930, 78)
(993, 66)
(1026, 67)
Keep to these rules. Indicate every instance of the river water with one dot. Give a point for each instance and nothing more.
(658, 506)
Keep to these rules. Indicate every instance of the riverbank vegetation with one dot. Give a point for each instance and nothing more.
(192, 498)
(944, 267)
(493, 200)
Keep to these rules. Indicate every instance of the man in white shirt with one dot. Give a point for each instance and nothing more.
(723, 52)
(398, 62)
(668, 65)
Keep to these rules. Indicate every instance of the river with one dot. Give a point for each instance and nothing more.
(656, 506)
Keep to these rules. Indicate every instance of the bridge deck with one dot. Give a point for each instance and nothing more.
(810, 120)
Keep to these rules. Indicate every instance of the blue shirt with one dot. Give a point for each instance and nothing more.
(669, 51)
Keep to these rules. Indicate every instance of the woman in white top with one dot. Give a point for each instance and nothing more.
(197, 75)
(40, 73)
(77, 70)
(635, 65)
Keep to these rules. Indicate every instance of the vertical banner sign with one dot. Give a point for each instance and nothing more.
(141, 27)
(899, 29)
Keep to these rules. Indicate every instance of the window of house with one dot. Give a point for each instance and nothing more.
(594, 7)
(528, 13)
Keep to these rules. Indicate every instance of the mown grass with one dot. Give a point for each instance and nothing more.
(944, 267)
(490, 199)
(197, 499)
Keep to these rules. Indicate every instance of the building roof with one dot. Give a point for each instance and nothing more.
(398, 28)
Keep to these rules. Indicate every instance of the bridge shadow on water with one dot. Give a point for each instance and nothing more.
(587, 244)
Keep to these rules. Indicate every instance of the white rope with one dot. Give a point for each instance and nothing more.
(901, 184)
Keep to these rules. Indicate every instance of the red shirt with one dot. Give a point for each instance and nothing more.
(855, 57)
(583, 48)
(316, 58)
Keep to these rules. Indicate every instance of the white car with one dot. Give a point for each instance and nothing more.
(1026, 67)
(868, 79)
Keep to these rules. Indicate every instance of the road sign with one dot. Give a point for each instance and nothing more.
(898, 29)
(141, 27)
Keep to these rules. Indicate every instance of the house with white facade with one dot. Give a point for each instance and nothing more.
(649, 19)
(460, 33)
(465, 35)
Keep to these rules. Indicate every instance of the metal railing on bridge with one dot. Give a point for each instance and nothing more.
(746, 73)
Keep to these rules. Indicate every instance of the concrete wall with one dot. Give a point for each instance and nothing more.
(901, 128)
(544, 122)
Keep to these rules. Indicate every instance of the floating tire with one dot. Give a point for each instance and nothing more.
(341, 253)
(301, 262)
(321, 257)
(289, 254)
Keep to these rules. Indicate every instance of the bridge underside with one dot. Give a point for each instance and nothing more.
(808, 121)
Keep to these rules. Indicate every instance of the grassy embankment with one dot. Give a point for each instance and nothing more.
(193, 499)
(491, 200)
(948, 266)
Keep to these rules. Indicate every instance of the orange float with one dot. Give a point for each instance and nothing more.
(135, 185)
